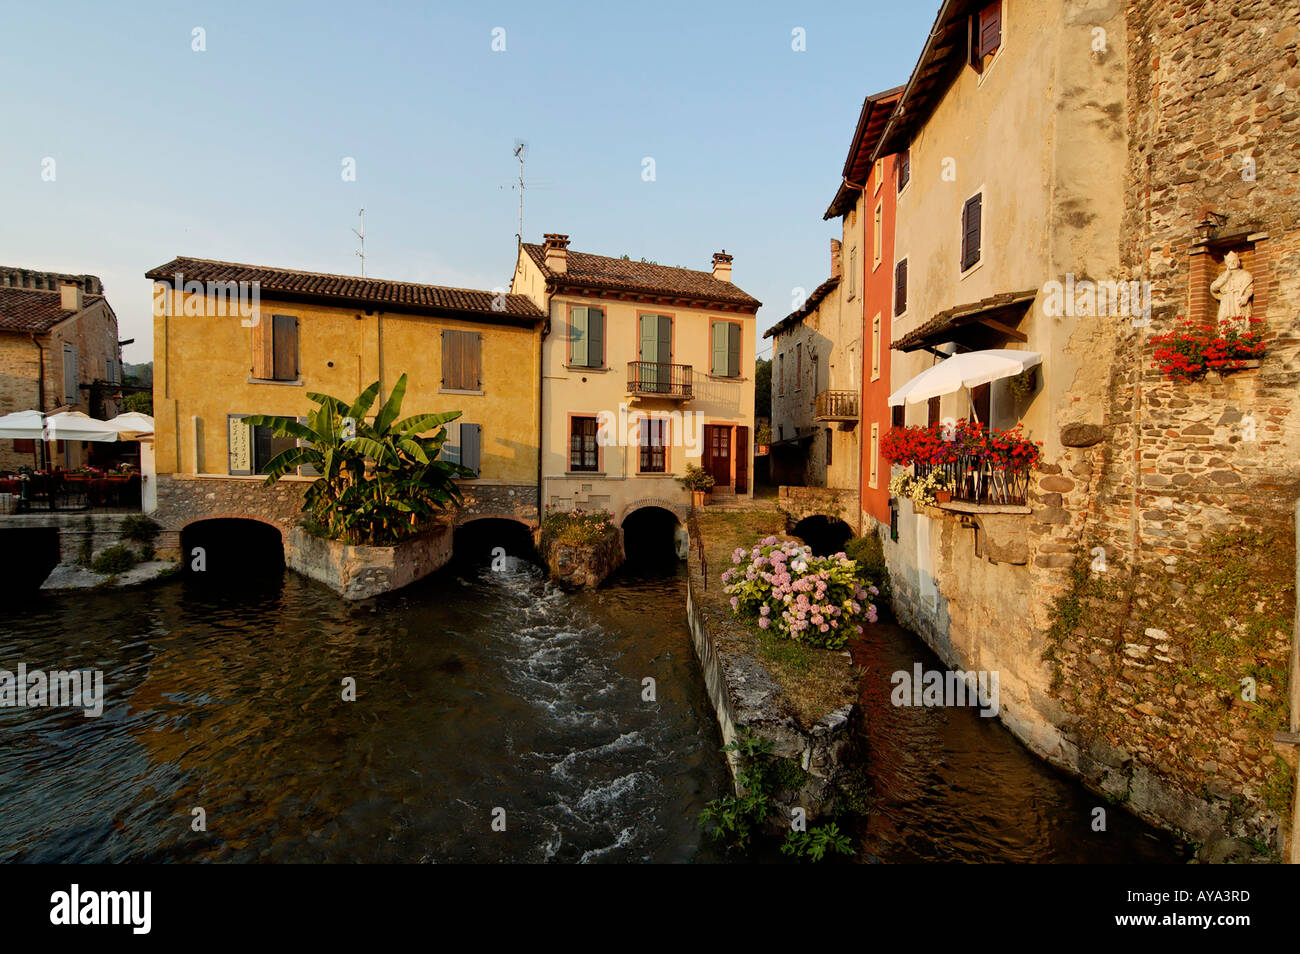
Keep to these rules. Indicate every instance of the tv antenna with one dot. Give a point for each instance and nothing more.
(521, 148)
(361, 252)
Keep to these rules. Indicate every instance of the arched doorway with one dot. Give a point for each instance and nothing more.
(226, 547)
(825, 535)
(653, 536)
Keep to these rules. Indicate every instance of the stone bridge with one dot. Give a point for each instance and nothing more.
(798, 503)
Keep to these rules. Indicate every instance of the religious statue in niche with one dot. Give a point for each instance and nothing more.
(1233, 289)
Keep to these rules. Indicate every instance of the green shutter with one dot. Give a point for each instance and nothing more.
(596, 337)
(470, 444)
(579, 336)
(719, 365)
(649, 338)
(733, 349)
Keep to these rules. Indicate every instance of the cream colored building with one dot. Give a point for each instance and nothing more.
(645, 369)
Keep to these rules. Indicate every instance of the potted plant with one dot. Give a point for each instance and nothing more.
(699, 482)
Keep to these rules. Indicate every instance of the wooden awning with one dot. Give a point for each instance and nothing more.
(976, 326)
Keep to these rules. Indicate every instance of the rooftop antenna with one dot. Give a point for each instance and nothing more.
(361, 253)
(521, 147)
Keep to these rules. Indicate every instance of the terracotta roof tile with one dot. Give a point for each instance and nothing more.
(587, 271)
(953, 318)
(809, 306)
(29, 309)
(293, 285)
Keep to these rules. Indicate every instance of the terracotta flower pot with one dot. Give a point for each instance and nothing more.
(701, 498)
(943, 496)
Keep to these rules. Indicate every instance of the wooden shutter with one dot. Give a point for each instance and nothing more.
(900, 287)
(649, 343)
(979, 399)
(239, 445)
(579, 336)
(595, 337)
(71, 379)
(904, 169)
(733, 349)
(263, 348)
(742, 460)
(284, 347)
(462, 362)
(971, 215)
(932, 412)
(718, 365)
(470, 445)
(990, 29)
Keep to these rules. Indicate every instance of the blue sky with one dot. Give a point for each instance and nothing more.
(236, 152)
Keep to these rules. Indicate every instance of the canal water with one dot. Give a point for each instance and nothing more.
(480, 696)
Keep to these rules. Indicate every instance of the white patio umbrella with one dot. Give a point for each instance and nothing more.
(23, 426)
(76, 426)
(132, 425)
(967, 370)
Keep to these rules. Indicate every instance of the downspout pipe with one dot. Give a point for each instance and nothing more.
(541, 401)
(40, 390)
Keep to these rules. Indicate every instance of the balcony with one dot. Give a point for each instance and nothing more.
(837, 406)
(653, 380)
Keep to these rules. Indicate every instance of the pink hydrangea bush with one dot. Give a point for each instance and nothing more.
(818, 601)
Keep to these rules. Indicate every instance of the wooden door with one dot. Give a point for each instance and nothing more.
(717, 453)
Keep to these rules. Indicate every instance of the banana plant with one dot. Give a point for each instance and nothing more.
(379, 480)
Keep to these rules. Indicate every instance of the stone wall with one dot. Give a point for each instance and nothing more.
(360, 572)
(510, 501)
(582, 566)
(801, 502)
(184, 499)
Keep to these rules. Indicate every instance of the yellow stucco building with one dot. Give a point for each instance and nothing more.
(646, 369)
(234, 340)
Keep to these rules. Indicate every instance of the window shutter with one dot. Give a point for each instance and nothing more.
(469, 446)
(239, 445)
(451, 446)
(70, 376)
(263, 349)
(742, 460)
(595, 337)
(904, 169)
(306, 470)
(649, 347)
(932, 412)
(665, 339)
(284, 347)
(719, 363)
(461, 360)
(579, 336)
(970, 231)
(450, 359)
(474, 360)
(900, 287)
(733, 349)
(990, 27)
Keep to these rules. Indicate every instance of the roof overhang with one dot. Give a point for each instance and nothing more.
(977, 326)
(872, 120)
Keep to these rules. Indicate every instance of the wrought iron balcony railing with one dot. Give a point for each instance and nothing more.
(652, 379)
(837, 406)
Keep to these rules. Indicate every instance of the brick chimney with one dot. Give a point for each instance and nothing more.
(837, 259)
(722, 266)
(556, 247)
(70, 296)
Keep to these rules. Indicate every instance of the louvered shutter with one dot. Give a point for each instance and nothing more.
(733, 349)
(263, 348)
(473, 360)
(990, 27)
(971, 215)
(900, 287)
(284, 346)
(470, 444)
(71, 379)
(742, 460)
(719, 363)
(579, 337)
(596, 337)
(451, 446)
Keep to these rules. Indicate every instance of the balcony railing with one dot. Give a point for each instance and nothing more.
(979, 483)
(652, 379)
(837, 406)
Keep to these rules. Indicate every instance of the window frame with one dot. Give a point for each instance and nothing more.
(984, 65)
(873, 465)
(878, 235)
(568, 340)
(877, 325)
(569, 468)
(963, 270)
(740, 348)
(443, 387)
(894, 290)
(903, 161)
(645, 427)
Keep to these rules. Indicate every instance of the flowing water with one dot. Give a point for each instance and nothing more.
(480, 696)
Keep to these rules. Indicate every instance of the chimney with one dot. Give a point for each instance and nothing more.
(722, 266)
(837, 259)
(557, 252)
(70, 296)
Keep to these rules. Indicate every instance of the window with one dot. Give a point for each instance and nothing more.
(873, 478)
(780, 374)
(586, 336)
(25, 446)
(971, 215)
(275, 349)
(830, 445)
(654, 444)
(979, 402)
(878, 173)
(878, 236)
(853, 272)
(900, 287)
(462, 445)
(656, 353)
(266, 447)
(726, 349)
(110, 370)
(71, 380)
(903, 171)
(583, 451)
(898, 416)
(798, 366)
(462, 360)
(875, 348)
(984, 33)
(932, 412)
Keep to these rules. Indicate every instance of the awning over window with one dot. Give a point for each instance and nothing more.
(977, 326)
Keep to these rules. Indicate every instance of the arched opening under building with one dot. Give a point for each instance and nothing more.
(226, 547)
(27, 555)
(479, 542)
(653, 537)
(825, 535)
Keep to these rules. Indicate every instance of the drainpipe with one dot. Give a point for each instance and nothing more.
(541, 400)
(40, 391)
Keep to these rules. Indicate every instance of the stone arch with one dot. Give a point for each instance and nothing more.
(678, 510)
(515, 518)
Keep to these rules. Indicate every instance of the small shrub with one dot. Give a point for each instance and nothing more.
(697, 479)
(868, 552)
(147, 553)
(138, 528)
(87, 550)
(114, 560)
(576, 527)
